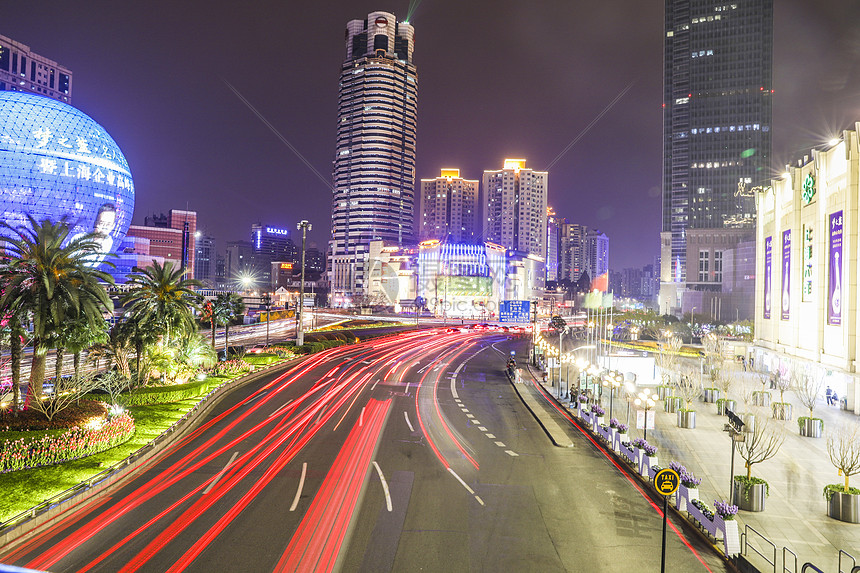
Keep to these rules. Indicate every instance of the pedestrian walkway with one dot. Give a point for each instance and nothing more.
(795, 515)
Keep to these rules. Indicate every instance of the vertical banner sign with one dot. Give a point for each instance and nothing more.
(806, 283)
(834, 271)
(768, 273)
(786, 274)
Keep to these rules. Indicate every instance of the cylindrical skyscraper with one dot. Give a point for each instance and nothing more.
(374, 164)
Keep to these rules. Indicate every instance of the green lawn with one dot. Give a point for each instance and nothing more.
(26, 488)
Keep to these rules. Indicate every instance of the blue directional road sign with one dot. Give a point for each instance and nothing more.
(515, 311)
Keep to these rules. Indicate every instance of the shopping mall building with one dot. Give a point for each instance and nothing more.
(807, 300)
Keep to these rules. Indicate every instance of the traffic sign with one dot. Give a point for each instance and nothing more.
(666, 481)
(515, 311)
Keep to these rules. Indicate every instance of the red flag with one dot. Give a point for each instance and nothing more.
(601, 283)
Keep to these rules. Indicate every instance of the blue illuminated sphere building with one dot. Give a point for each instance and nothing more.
(56, 162)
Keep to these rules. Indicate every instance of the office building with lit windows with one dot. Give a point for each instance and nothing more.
(23, 70)
(718, 63)
(450, 208)
(514, 207)
(374, 163)
(170, 237)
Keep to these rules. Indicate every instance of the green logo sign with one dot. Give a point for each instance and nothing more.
(666, 481)
(808, 189)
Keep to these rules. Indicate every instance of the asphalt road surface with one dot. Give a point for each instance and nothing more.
(408, 453)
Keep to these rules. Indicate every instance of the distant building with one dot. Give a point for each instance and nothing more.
(572, 251)
(23, 70)
(374, 163)
(271, 244)
(631, 283)
(717, 108)
(553, 244)
(596, 253)
(171, 237)
(450, 209)
(239, 260)
(205, 260)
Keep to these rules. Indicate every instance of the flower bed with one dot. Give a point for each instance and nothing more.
(76, 443)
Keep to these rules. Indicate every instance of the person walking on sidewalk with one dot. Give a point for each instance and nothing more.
(829, 396)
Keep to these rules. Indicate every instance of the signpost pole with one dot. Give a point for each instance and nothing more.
(663, 556)
(666, 481)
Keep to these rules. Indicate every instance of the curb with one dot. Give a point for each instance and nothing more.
(535, 416)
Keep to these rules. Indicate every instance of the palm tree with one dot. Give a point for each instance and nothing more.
(161, 297)
(215, 315)
(226, 307)
(51, 277)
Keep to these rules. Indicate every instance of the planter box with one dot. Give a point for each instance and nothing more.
(731, 536)
(652, 471)
(599, 420)
(711, 395)
(761, 398)
(812, 428)
(663, 392)
(781, 410)
(587, 417)
(684, 496)
(687, 419)
(749, 422)
(617, 439)
(631, 453)
(645, 463)
(672, 404)
(752, 502)
(606, 434)
(844, 507)
(697, 515)
(726, 405)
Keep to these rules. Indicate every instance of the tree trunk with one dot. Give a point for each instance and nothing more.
(37, 369)
(58, 369)
(749, 471)
(76, 360)
(227, 341)
(15, 351)
(213, 332)
(847, 489)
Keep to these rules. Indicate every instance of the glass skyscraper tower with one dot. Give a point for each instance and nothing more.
(717, 103)
(374, 164)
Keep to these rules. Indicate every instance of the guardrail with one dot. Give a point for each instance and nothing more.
(793, 554)
(854, 566)
(747, 545)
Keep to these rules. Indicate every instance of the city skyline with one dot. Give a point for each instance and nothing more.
(146, 89)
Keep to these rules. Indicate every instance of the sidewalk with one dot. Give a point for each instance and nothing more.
(795, 514)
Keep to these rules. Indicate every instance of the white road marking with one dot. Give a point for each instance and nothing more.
(482, 428)
(384, 486)
(465, 410)
(407, 387)
(453, 388)
(501, 444)
(465, 485)
(408, 423)
(470, 415)
(220, 474)
(374, 385)
(287, 403)
(361, 417)
(510, 453)
(301, 485)
(491, 436)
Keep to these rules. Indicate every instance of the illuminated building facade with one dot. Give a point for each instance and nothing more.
(22, 70)
(807, 301)
(205, 259)
(515, 207)
(171, 238)
(271, 243)
(553, 244)
(374, 164)
(57, 162)
(596, 253)
(718, 63)
(450, 208)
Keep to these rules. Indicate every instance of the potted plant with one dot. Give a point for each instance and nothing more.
(759, 445)
(781, 409)
(688, 489)
(762, 397)
(843, 501)
(724, 518)
(808, 390)
(619, 436)
(581, 403)
(598, 411)
(725, 379)
(689, 389)
(649, 460)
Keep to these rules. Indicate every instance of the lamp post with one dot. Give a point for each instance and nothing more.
(304, 227)
(267, 302)
(647, 402)
(612, 381)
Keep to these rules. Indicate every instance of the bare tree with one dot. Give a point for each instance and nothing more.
(714, 358)
(64, 394)
(808, 388)
(688, 386)
(843, 445)
(783, 383)
(114, 383)
(667, 358)
(725, 378)
(762, 443)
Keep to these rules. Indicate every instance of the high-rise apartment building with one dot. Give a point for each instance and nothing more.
(374, 164)
(205, 260)
(596, 253)
(553, 243)
(572, 251)
(514, 208)
(25, 71)
(718, 63)
(450, 208)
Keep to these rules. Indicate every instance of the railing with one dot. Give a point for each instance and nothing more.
(854, 566)
(810, 567)
(747, 545)
(784, 560)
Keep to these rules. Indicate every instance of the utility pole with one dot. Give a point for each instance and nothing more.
(304, 227)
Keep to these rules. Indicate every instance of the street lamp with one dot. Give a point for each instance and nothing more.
(612, 381)
(267, 302)
(304, 227)
(645, 400)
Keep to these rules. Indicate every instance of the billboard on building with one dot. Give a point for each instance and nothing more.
(786, 274)
(768, 273)
(834, 271)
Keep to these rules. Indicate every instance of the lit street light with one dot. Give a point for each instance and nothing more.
(645, 400)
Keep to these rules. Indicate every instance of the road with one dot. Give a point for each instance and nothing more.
(403, 454)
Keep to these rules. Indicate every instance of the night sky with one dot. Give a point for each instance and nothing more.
(497, 79)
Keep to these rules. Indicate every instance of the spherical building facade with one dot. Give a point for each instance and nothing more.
(56, 162)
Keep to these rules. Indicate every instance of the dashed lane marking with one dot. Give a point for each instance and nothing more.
(501, 444)
(512, 454)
